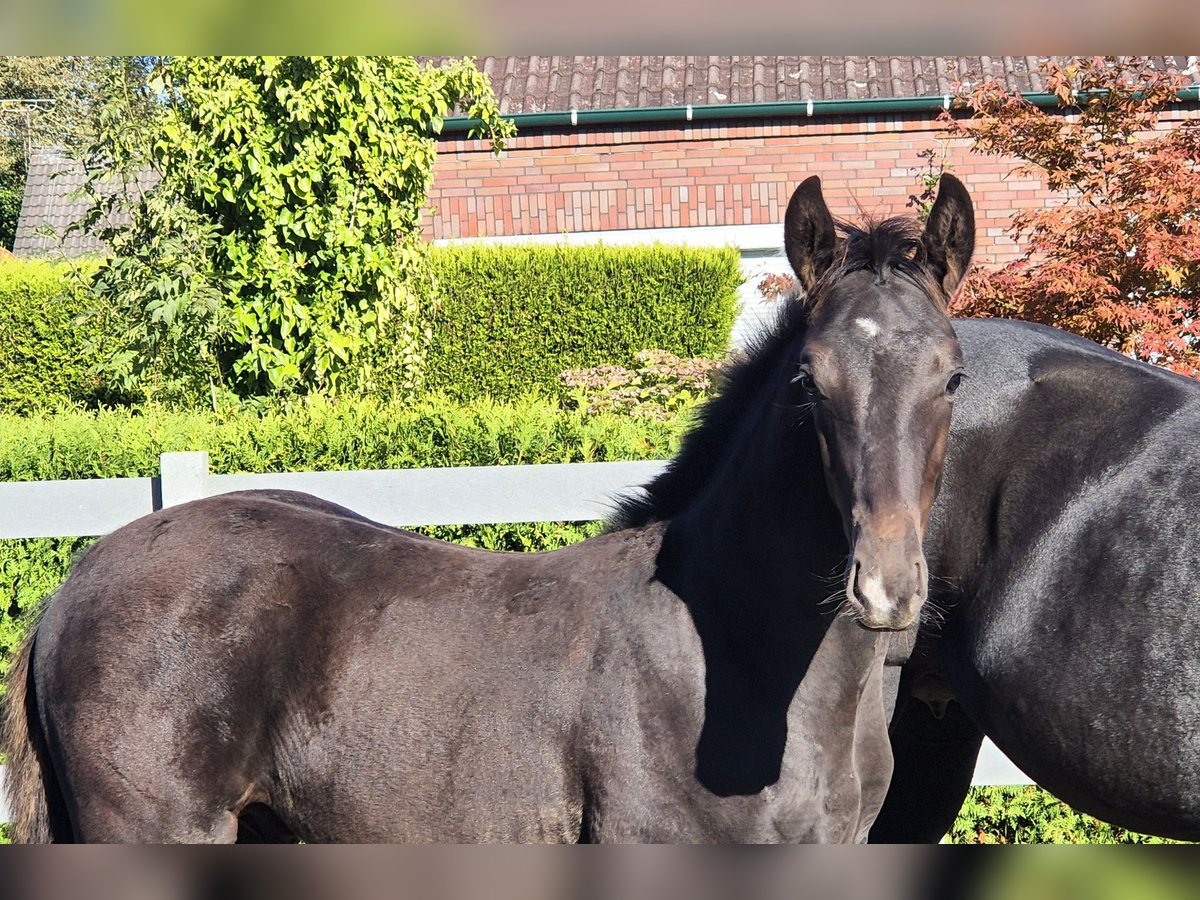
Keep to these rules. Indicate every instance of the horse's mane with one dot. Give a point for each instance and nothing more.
(888, 247)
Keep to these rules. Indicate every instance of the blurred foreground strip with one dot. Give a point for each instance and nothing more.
(598, 873)
(463, 26)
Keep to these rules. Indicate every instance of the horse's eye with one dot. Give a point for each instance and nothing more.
(804, 381)
(953, 383)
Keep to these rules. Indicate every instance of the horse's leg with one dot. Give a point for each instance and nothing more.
(934, 761)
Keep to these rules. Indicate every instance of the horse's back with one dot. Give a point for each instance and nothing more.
(1078, 644)
(273, 648)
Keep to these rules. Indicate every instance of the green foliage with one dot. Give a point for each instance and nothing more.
(30, 570)
(1029, 815)
(322, 434)
(47, 338)
(660, 386)
(170, 351)
(1059, 875)
(930, 174)
(68, 82)
(12, 191)
(514, 317)
(283, 237)
(157, 300)
(524, 537)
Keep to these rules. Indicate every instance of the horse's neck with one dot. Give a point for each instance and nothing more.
(983, 459)
(752, 561)
(765, 524)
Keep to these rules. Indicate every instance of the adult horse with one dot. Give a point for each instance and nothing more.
(1065, 554)
(268, 665)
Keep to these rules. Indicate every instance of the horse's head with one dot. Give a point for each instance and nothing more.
(880, 365)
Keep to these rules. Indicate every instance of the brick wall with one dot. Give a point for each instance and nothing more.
(736, 173)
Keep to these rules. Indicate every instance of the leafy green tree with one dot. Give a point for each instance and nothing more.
(283, 236)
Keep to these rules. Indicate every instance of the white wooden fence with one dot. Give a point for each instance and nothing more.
(571, 492)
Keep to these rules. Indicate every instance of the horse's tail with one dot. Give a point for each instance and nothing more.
(34, 797)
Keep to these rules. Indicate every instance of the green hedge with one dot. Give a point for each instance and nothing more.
(44, 338)
(513, 317)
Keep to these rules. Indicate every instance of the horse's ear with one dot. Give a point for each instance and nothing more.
(949, 237)
(808, 233)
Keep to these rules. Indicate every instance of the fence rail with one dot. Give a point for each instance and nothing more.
(468, 495)
(569, 492)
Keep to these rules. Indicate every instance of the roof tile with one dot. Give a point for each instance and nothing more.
(527, 84)
(52, 202)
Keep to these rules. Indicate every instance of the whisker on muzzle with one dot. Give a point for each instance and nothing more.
(838, 596)
(933, 614)
(838, 574)
(847, 611)
(943, 581)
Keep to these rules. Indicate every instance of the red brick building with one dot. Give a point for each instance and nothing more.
(707, 150)
(613, 143)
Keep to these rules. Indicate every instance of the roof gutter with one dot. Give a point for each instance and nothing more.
(708, 112)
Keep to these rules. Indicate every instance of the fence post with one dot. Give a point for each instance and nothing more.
(183, 477)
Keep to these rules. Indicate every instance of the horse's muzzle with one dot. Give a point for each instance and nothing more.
(888, 580)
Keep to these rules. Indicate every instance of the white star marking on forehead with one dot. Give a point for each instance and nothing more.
(870, 326)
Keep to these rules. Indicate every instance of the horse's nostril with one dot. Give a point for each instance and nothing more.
(852, 588)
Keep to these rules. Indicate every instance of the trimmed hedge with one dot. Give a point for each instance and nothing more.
(44, 338)
(322, 434)
(513, 317)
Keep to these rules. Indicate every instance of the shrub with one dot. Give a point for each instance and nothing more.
(1030, 815)
(513, 317)
(318, 434)
(47, 340)
(1115, 262)
(12, 190)
(660, 386)
(283, 231)
(30, 570)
